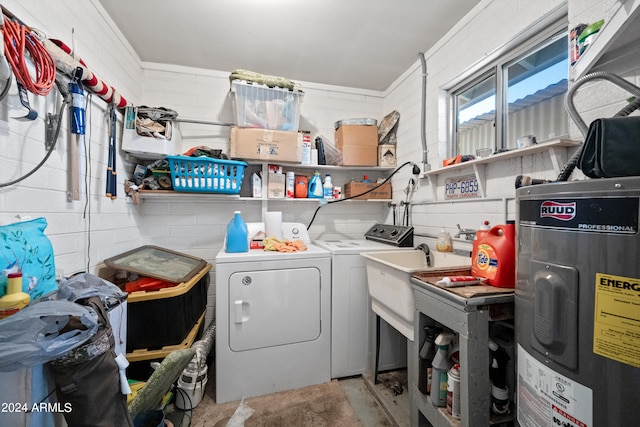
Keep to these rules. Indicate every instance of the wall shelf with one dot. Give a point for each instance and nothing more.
(556, 148)
(615, 45)
(184, 196)
(264, 167)
(311, 168)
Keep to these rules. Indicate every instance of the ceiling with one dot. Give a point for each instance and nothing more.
(354, 43)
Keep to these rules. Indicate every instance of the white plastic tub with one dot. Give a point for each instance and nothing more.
(388, 277)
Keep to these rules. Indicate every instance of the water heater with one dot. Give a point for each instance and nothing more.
(577, 303)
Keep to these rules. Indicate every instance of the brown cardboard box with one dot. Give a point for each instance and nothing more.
(355, 188)
(359, 144)
(265, 144)
(276, 185)
(387, 155)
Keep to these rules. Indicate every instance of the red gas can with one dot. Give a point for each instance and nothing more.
(494, 256)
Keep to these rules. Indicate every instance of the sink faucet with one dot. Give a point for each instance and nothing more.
(467, 232)
(427, 252)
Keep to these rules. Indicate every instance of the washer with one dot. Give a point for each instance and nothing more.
(272, 319)
(352, 343)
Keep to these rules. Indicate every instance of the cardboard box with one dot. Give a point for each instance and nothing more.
(275, 185)
(387, 155)
(355, 188)
(265, 144)
(358, 144)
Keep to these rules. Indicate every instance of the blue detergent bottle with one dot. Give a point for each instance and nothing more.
(315, 187)
(237, 234)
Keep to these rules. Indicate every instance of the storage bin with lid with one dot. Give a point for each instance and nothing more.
(260, 106)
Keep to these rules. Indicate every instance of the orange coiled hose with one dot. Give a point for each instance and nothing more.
(17, 41)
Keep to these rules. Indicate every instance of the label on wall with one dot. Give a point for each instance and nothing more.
(463, 187)
(546, 398)
(616, 321)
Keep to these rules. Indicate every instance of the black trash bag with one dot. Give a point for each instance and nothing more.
(87, 379)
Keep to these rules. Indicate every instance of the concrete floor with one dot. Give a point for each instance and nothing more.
(376, 405)
(379, 404)
(386, 392)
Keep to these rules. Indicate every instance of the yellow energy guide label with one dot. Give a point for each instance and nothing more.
(616, 321)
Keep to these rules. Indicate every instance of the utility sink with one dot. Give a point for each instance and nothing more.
(389, 274)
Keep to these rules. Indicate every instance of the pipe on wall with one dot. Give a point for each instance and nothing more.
(423, 119)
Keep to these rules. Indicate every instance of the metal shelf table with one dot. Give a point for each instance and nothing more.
(470, 318)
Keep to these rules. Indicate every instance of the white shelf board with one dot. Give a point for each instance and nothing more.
(618, 32)
(520, 152)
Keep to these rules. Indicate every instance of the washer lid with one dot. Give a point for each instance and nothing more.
(352, 246)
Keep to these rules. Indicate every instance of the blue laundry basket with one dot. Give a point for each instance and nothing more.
(206, 175)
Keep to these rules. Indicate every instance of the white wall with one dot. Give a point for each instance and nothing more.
(112, 226)
(93, 228)
(486, 29)
(204, 95)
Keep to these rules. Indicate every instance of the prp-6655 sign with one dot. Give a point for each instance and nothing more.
(461, 187)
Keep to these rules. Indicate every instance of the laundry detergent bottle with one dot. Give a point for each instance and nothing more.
(315, 189)
(237, 234)
(494, 256)
(443, 243)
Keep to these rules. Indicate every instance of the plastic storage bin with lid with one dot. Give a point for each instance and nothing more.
(260, 106)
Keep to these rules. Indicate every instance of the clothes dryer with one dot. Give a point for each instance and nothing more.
(273, 314)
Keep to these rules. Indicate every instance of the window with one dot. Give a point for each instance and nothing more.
(519, 93)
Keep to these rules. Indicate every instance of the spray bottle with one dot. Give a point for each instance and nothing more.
(427, 352)
(440, 367)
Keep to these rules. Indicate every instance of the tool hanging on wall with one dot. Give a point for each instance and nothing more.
(20, 42)
(5, 69)
(111, 165)
(77, 127)
(63, 60)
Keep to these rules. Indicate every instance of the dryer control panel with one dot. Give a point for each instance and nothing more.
(395, 235)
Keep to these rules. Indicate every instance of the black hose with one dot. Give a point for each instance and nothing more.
(570, 165)
(65, 100)
(415, 170)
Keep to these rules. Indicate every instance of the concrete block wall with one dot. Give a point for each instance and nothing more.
(198, 226)
(204, 95)
(483, 31)
(86, 231)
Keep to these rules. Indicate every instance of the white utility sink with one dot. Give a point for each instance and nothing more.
(389, 274)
